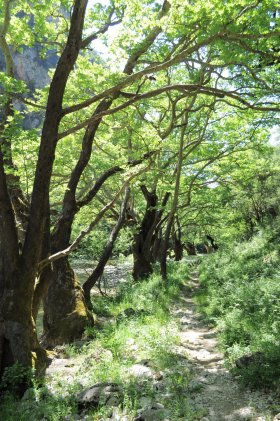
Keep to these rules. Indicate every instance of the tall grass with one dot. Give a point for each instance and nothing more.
(139, 327)
(241, 295)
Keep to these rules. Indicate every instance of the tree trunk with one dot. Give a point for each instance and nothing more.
(18, 340)
(172, 213)
(157, 245)
(65, 311)
(106, 254)
(177, 241)
(142, 244)
(178, 249)
(164, 251)
(145, 242)
(191, 250)
(43, 283)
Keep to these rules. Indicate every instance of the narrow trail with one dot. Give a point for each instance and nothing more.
(213, 387)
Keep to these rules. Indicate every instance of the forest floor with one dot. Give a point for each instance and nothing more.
(211, 392)
(214, 388)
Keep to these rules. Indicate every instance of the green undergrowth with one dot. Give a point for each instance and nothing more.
(241, 294)
(137, 328)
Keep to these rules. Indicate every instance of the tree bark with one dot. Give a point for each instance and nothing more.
(177, 241)
(178, 248)
(18, 339)
(106, 254)
(191, 250)
(65, 311)
(144, 240)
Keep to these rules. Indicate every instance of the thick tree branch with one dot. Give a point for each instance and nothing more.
(176, 59)
(186, 88)
(112, 171)
(84, 233)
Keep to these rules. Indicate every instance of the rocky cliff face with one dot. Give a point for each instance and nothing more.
(33, 70)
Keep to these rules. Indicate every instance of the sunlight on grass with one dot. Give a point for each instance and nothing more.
(140, 332)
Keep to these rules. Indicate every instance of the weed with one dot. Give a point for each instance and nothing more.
(241, 294)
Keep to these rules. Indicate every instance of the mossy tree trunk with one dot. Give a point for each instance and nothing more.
(18, 339)
(18, 268)
(65, 311)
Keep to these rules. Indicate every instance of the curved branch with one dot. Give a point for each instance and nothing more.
(186, 88)
(85, 232)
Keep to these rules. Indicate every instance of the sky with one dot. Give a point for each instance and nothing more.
(275, 136)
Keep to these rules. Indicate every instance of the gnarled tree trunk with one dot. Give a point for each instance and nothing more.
(18, 340)
(65, 311)
(145, 239)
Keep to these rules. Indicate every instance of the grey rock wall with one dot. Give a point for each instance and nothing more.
(33, 70)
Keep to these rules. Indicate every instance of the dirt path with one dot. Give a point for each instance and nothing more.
(213, 387)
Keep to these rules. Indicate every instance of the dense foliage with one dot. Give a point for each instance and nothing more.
(241, 294)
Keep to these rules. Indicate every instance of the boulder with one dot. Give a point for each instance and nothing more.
(153, 412)
(109, 394)
(140, 370)
(248, 359)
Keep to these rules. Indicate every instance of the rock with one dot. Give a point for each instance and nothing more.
(153, 412)
(139, 370)
(195, 386)
(79, 344)
(117, 415)
(113, 400)
(60, 352)
(29, 394)
(145, 401)
(107, 393)
(277, 417)
(248, 359)
(158, 386)
(146, 363)
(158, 376)
(129, 312)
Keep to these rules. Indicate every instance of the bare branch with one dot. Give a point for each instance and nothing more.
(102, 30)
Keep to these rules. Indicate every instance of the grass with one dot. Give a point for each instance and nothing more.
(241, 295)
(141, 328)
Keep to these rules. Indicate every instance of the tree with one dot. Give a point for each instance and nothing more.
(197, 55)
